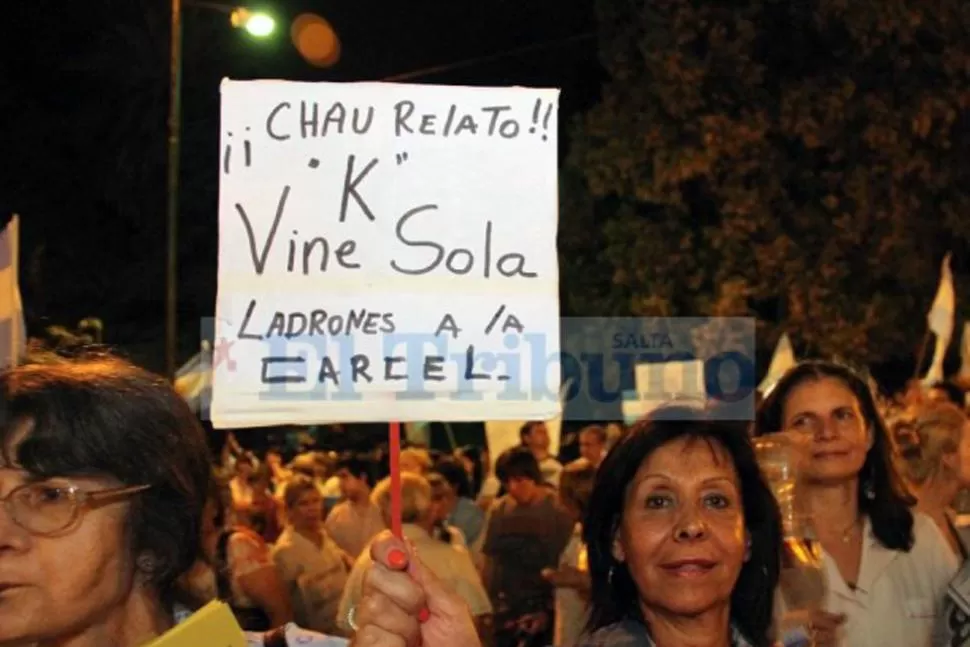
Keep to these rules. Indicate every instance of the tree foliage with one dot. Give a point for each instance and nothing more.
(802, 161)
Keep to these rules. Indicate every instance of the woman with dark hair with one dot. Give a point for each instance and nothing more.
(886, 569)
(683, 537)
(235, 566)
(471, 459)
(104, 474)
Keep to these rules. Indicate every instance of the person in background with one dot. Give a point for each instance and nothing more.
(934, 443)
(886, 569)
(263, 512)
(592, 444)
(326, 469)
(614, 433)
(279, 473)
(305, 465)
(484, 484)
(235, 566)
(458, 505)
(535, 436)
(308, 466)
(312, 566)
(451, 564)
(356, 520)
(241, 485)
(415, 460)
(525, 533)
(475, 466)
(571, 579)
(439, 512)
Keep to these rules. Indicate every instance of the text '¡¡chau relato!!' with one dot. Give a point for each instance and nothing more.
(308, 253)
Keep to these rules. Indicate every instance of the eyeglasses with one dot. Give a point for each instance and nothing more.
(45, 509)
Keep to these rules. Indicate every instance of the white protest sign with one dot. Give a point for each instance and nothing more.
(386, 252)
(665, 383)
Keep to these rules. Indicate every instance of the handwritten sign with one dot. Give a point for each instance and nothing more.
(386, 252)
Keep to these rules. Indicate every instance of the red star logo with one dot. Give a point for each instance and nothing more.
(221, 354)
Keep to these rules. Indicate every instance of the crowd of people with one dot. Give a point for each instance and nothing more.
(116, 524)
(507, 539)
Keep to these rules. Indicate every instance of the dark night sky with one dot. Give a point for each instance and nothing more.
(83, 134)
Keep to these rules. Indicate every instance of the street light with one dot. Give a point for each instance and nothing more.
(258, 24)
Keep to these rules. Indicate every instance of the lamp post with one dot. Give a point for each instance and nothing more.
(172, 192)
(256, 23)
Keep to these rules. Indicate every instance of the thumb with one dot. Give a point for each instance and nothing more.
(390, 551)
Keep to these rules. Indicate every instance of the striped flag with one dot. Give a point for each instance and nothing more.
(194, 380)
(13, 337)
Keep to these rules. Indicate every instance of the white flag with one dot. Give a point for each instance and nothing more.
(781, 361)
(940, 321)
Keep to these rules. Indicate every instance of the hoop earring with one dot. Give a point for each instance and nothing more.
(868, 488)
(609, 576)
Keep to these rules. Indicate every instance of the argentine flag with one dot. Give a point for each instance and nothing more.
(13, 336)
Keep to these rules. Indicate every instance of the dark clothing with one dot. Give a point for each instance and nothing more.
(521, 541)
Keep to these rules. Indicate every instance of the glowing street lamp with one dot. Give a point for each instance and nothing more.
(257, 23)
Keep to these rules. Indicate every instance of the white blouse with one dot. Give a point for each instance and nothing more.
(899, 595)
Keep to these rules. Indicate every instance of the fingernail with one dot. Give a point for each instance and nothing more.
(397, 558)
(424, 615)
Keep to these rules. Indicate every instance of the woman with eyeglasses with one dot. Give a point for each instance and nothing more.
(104, 473)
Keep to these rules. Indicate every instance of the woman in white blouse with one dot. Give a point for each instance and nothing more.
(886, 569)
(311, 564)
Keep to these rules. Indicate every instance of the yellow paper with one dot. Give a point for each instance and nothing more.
(211, 626)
